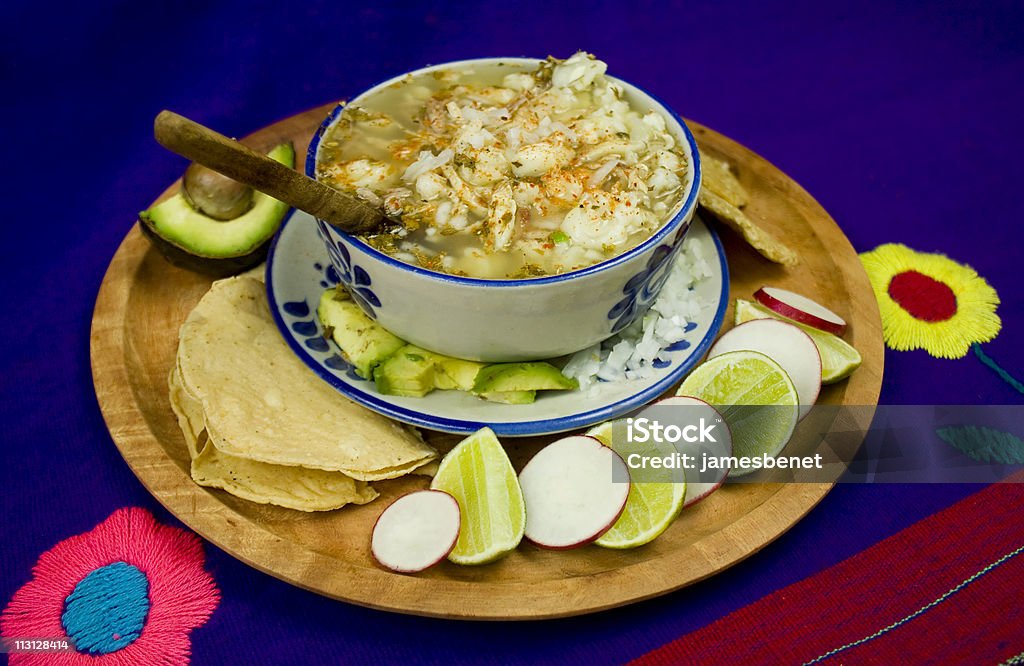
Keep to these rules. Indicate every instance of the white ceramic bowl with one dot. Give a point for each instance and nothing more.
(298, 271)
(511, 320)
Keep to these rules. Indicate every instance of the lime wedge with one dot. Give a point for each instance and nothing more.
(602, 432)
(478, 474)
(650, 507)
(756, 397)
(838, 358)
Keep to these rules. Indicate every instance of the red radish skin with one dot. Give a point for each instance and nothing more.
(581, 543)
(389, 545)
(705, 488)
(580, 460)
(785, 344)
(800, 308)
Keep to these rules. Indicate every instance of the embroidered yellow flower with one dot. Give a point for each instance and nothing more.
(930, 302)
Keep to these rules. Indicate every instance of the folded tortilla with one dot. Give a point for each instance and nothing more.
(291, 487)
(261, 403)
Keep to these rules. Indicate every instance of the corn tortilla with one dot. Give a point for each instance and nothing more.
(291, 487)
(717, 176)
(263, 404)
(766, 244)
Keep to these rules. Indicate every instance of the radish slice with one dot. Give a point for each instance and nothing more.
(417, 531)
(692, 411)
(571, 497)
(800, 308)
(785, 344)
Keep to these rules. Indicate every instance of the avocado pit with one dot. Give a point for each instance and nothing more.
(214, 194)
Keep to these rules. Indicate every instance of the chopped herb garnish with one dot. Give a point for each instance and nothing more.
(528, 271)
(461, 160)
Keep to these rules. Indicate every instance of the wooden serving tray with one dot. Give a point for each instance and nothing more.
(144, 299)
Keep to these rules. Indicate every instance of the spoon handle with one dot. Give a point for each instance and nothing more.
(229, 157)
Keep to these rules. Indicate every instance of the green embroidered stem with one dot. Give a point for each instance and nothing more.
(1003, 374)
(984, 444)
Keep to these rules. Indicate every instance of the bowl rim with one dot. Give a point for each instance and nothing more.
(686, 210)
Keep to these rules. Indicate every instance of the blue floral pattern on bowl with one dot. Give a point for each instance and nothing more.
(306, 325)
(642, 289)
(356, 280)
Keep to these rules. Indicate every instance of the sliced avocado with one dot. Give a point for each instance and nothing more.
(456, 373)
(538, 376)
(364, 342)
(404, 369)
(511, 397)
(197, 241)
(409, 372)
(448, 372)
(451, 373)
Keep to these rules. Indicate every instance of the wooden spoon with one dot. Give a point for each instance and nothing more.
(229, 157)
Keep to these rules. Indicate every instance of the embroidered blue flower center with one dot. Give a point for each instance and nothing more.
(107, 609)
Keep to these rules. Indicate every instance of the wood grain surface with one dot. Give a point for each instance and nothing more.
(144, 299)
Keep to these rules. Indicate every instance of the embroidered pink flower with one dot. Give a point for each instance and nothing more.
(127, 592)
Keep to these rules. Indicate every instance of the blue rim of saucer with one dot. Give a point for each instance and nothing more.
(379, 404)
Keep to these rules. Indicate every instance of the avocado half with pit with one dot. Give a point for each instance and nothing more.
(194, 240)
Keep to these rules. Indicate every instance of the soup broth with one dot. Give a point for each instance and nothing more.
(500, 172)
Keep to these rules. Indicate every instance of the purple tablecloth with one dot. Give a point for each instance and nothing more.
(903, 123)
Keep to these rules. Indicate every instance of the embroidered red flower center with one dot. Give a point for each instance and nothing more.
(925, 298)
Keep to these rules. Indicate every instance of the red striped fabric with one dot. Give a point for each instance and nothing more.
(948, 589)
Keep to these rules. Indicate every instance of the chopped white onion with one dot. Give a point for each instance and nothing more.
(427, 161)
(602, 172)
(630, 355)
(369, 196)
